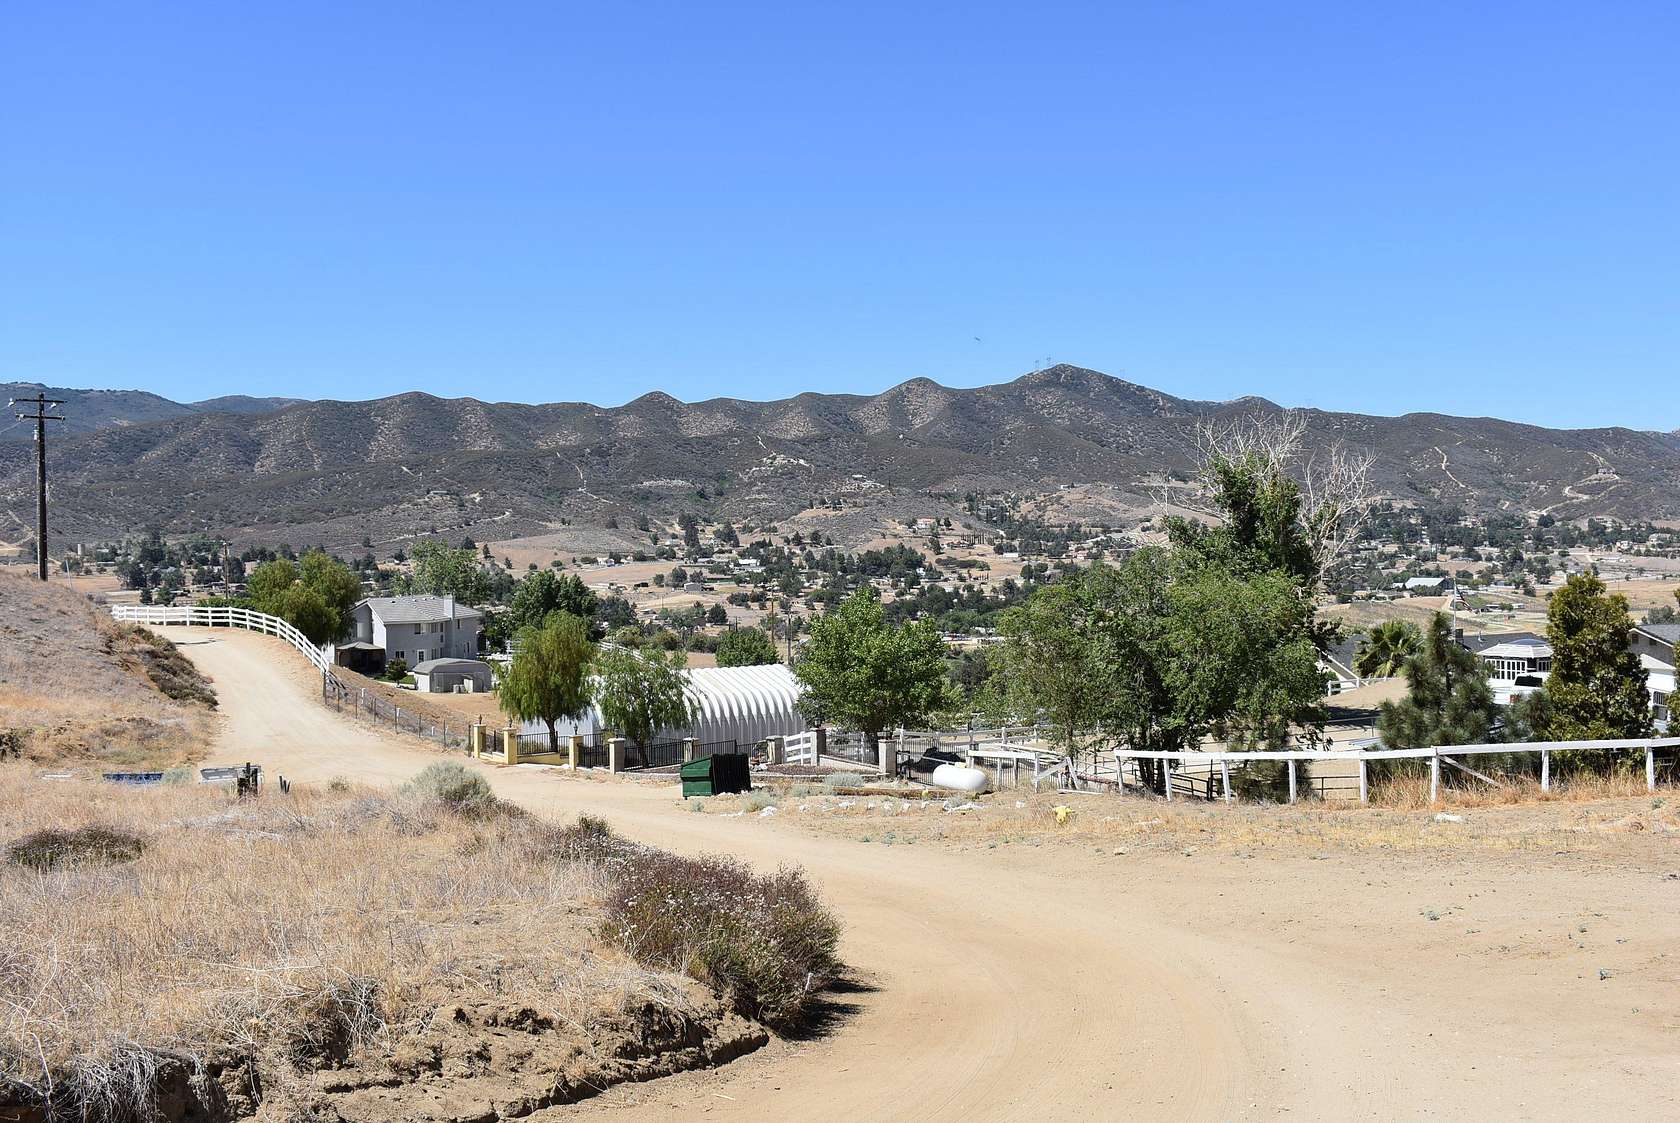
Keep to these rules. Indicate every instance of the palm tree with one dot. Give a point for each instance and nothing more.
(1385, 649)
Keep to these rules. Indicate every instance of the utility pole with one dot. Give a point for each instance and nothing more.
(40, 403)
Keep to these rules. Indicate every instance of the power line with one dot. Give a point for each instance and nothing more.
(40, 403)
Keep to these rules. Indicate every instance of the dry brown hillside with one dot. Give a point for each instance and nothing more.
(78, 688)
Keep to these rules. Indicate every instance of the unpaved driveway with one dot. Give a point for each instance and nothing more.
(1033, 984)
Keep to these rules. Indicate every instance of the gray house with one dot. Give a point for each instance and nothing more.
(415, 629)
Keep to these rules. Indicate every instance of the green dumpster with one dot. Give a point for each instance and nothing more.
(718, 774)
(697, 777)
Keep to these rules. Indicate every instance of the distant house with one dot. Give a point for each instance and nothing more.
(1518, 663)
(415, 629)
(1428, 586)
(1654, 644)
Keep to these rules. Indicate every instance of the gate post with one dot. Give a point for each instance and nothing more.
(688, 750)
(574, 743)
(510, 744)
(819, 747)
(776, 749)
(615, 755)
(475, 740)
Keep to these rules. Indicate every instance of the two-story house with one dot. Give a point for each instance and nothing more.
(415, 629)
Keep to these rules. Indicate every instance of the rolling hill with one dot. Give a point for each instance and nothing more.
(333, 471)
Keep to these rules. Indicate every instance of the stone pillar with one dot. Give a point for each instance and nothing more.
(574, 749)
(689, 747)
(510, 744)
(475, 739)
(615, 755)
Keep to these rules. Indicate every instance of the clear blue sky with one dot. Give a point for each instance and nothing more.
(1472, 208)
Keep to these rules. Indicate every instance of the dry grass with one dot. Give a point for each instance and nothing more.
(278, 934)
(58, 653)
(1411, 792)
(1596, 818)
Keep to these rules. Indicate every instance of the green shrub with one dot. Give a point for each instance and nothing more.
(52, 849)
(179, 775)
(455, 786)
(840, 781)
(760, 799)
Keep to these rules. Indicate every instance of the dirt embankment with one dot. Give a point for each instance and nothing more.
(77, 688)
(177, 954)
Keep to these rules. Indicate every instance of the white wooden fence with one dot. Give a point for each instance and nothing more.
(198, 616)
(1222, 760)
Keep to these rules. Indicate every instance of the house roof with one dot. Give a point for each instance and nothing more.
(1509, 643)
(1667, 633)
(427, 666)
(422, 609)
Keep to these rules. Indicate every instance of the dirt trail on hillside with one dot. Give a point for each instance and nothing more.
(1026, 983)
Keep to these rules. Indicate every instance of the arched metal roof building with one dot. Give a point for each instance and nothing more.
(742, 704)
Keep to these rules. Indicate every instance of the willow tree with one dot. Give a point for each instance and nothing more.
(548, 680)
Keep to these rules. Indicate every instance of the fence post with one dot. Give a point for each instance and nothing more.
(1291, 763)
(819, 746)
(510, 744)
(1166, 777)
(615, 754)
(1434, 776)
(1225, 777)
(1650, 769)
(777, 749)
(475, 740)
(1364, 783)
(574, 745)
(688, 750)
(1545, 770)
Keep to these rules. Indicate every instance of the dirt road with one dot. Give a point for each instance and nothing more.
(1026, 982)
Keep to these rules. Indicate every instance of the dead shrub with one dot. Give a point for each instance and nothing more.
(96, 844)
(765, 941)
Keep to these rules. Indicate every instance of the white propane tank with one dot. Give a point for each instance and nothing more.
(959, 777)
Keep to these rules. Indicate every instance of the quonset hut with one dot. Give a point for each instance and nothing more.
(740, 704)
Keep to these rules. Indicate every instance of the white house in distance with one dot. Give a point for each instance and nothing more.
(418, 628)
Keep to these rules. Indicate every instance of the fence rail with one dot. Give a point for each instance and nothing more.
(335, 691)
(202, 616)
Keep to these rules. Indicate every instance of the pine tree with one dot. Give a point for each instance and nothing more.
(1448, 700)
(1597, 688)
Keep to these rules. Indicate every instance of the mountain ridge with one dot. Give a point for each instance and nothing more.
(410, 461)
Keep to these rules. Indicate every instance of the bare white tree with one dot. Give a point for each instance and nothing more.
(1335, 482)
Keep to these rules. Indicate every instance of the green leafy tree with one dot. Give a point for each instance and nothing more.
(443, 570)
(641, 692)
(745, 647)
(1384, 650)
(544, 593)
(334, 582)
(315, 594)
(1597, 688)
(1448, 700)
(860, 671)
(1056, 659)
(548, 679)
(268, 584)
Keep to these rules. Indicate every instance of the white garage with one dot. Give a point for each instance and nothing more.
(445, 676)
